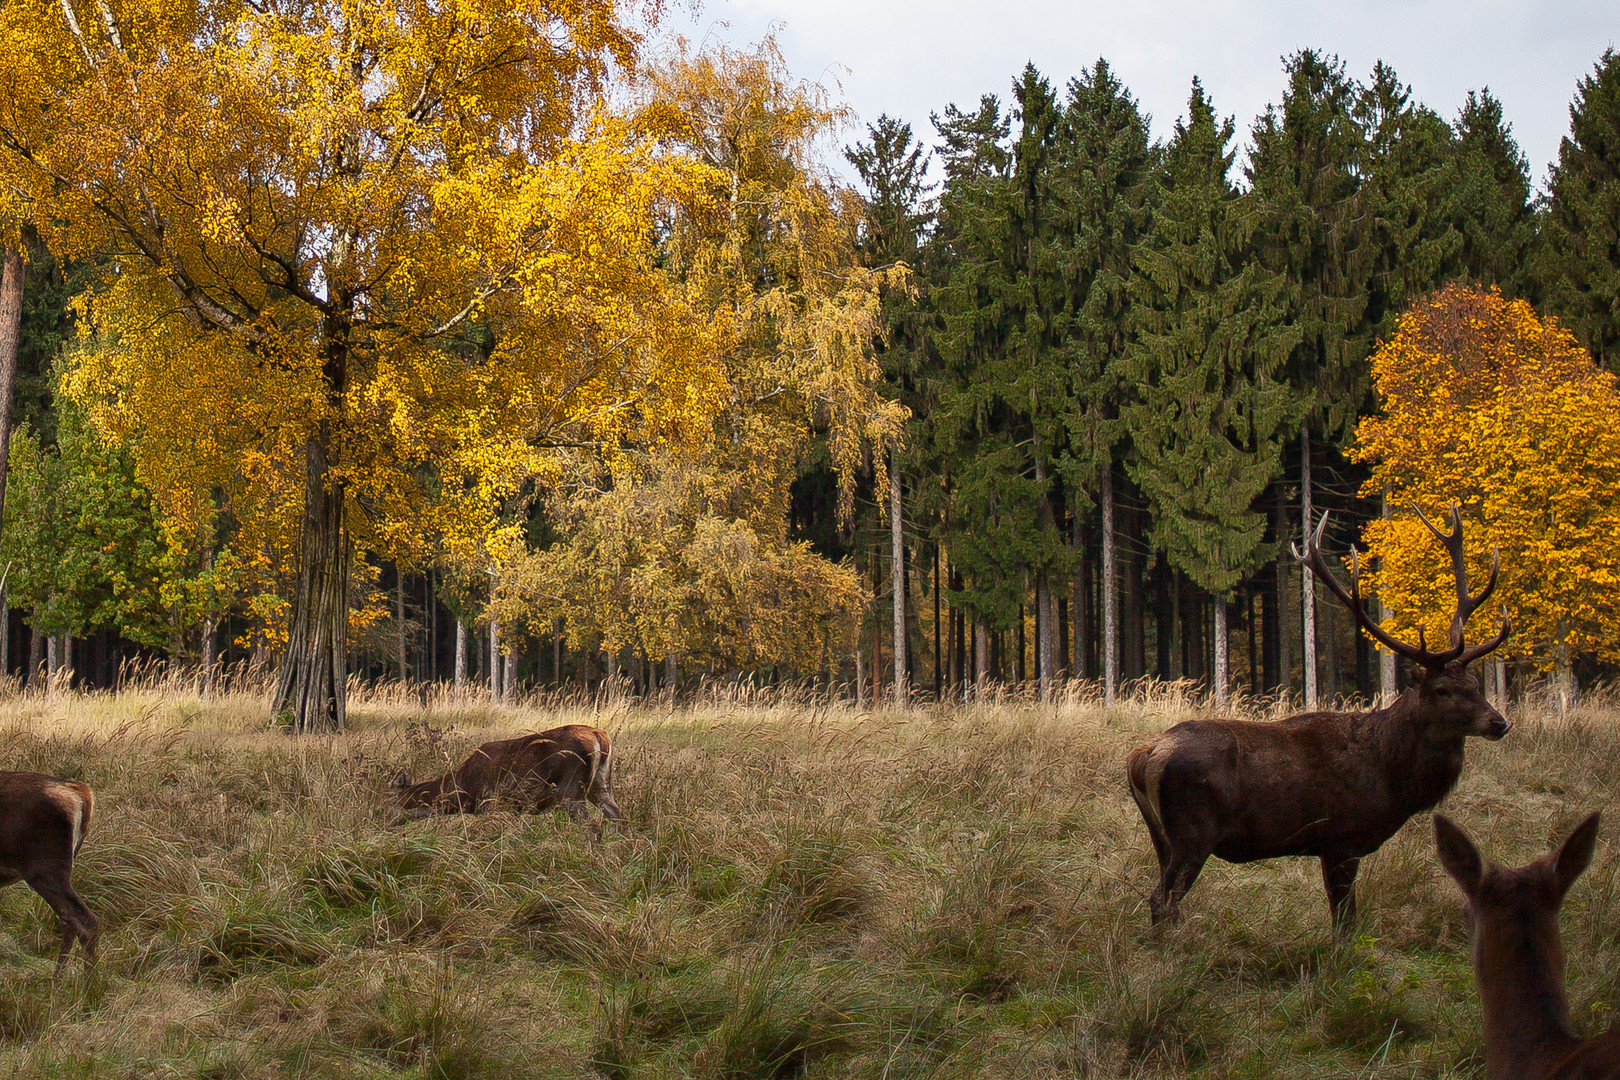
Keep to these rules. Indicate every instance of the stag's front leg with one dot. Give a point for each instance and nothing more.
(1339, 878)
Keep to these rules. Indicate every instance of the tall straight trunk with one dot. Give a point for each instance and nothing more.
(1285, 659)
(860, 679)
(1018, 668)
(509, 676)
(939, 672)
(1080, 603)
(36, 657)
(672, 674)
(1063, 671)
(53, 657)
(5, 629)
(400, 657)
(1045, 638)
(310, 686)
(981, 658)
(1110, 586)
(461, 656)
(11, 295)
(209, 661)
(897, 575)
(1307, 583)
(494, 660)
(1219, 604)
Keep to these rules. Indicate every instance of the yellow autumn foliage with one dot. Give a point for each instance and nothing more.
(1490, 406)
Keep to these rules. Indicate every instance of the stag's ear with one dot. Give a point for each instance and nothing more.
(1575, 853)
(402, 779)
(1458, 855)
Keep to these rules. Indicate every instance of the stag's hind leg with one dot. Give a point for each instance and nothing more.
(1339, 878)
(75, 920)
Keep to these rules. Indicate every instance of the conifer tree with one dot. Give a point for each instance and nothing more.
(1102, 168)
(1207, 347)
(1304, 170)
(1489, 197)
(1579, 263)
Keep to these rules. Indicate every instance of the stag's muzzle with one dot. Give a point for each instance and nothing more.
(1500, 726)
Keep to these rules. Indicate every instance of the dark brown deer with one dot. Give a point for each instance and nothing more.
(43, 821)
(1518, 959)
(565, 767)
(1333, 785)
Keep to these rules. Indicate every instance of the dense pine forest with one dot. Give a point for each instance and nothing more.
(610, 377)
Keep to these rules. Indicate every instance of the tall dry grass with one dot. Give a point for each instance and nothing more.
(803, 890)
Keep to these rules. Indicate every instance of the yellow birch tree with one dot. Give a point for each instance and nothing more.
(363, 259)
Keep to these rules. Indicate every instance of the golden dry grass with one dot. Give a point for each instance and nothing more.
(803, 889)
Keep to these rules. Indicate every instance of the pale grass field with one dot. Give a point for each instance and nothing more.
(803, 890)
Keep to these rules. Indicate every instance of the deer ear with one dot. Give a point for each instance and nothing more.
(1575, 853)
(1458, 855)
(402, 779)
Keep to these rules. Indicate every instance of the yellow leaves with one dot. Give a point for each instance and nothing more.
(1489, 406)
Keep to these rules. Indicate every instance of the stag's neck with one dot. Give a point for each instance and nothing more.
(1419, 769)
(1526, 1016)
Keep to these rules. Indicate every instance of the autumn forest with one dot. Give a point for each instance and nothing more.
(518, 346)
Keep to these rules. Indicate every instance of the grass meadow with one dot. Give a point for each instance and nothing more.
(804, 889)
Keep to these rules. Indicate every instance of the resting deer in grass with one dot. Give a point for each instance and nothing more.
(43, 821)
(1518, 959)
(565, 767)
(1333, 785)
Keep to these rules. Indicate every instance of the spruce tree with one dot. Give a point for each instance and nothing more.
(1489, 197)
(1101, 169)
(1207, 348)
(1579, 262)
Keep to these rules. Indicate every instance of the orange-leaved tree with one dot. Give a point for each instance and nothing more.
(1487, 405)
(375, 255)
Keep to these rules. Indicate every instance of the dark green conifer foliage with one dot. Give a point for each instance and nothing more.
(1489, 196)
(1207, 352)
(1579, 261)
(1304, 171)
(1000, 319)
(1407, 244)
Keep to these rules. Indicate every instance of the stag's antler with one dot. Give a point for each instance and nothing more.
(1466, 604)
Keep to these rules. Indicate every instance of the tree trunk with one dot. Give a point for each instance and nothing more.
(981, 658)
(11, 294)
(1110, 586)
(36, 658)
(460, 676)
(897, 574)
(1386, 659)
(1080, 603)
(1218, 602)
(672, 675)
(494, 660)
(400, 657)
(1307, 584)
(310, 687)
(509, 678)
(860, 679)
(1045, 643)
(5, 629)
(939, 671)
(1565, 689)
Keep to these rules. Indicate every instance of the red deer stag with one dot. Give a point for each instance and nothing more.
(1333, 785)
(564, 767)
(1519, 959)
(43, 820)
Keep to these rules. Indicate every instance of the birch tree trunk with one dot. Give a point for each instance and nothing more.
(981, 659)
(460, 676)
(902, 689)
(1218, 602)
(1110, 590)
(1307, 583)
(1045, 650)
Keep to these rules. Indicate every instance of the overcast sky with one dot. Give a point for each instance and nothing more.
(910, 58)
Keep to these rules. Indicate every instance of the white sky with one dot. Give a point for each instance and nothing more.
(911, 57)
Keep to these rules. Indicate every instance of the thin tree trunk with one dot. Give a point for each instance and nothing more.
(1386, 659)
(860, 679)
(672, 675)
(5, 628)
(1219, 604)
(1110, 585)
(462, 649)
(897, 574)
(11, 295)
(1045, 645)
(310, 688)
(981, 658)
(36, 658)
(509, 690)
(1307, 583)
(494, 660)
(939, 671)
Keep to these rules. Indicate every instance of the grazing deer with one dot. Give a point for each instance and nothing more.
(564, 767)
(1333, 785)
(1519, 958)
(43, 820)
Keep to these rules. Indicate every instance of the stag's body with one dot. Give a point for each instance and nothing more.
(43, 822)
(1332, 785)
(565, 767)
(1518, 959)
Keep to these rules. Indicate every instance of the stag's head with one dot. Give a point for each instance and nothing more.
(1449, 702)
